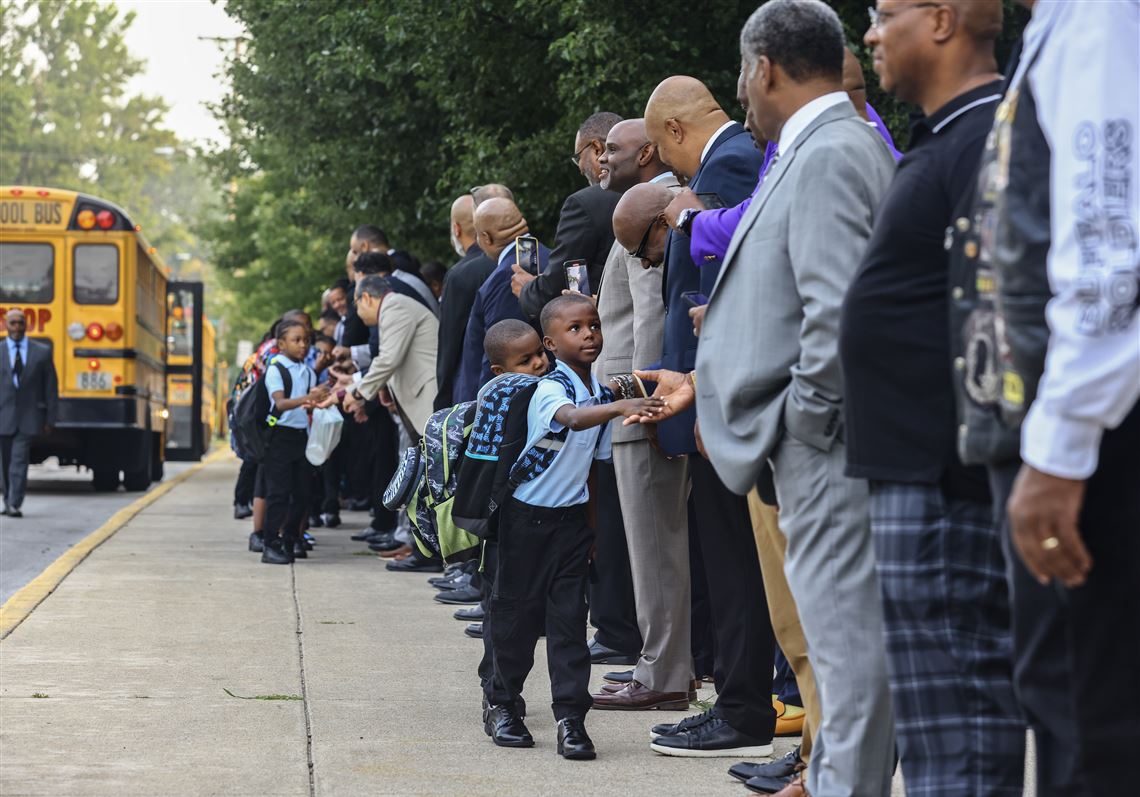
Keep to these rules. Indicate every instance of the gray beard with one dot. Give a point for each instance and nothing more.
(457, 246)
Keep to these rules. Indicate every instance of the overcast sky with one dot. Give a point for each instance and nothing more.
(180, 67)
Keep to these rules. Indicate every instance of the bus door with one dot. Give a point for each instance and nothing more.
(185, 438)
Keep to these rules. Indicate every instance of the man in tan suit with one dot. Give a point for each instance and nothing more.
(405, 363)
(652, 488)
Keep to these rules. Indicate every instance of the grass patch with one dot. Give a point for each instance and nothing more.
(703, 705)
(39, 695)
(259, 697)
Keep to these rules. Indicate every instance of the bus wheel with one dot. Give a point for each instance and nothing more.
(105, 480)
(137, 479)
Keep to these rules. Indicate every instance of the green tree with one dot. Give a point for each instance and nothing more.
(344, 113)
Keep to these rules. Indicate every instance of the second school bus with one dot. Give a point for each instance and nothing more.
(95, 292)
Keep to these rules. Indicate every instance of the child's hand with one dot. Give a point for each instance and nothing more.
(640, 407)
(318, 393)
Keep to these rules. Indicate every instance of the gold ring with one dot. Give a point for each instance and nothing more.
(1050, 543)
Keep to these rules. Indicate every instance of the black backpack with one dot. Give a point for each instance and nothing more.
(249, 426)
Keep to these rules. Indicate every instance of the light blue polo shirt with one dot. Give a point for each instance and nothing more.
(564, 482)
(303, 381)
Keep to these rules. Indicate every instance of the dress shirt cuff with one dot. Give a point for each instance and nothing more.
(1063, 447)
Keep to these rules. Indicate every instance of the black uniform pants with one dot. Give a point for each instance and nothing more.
(288, 480)
(745, 644)
(1077, 651)
(541, 581)
(385, 445)
(613, 611)
(243, 487)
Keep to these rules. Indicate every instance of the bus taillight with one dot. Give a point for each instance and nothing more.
(105, 219)
(93, 364)
(95, 331)
(114, 331)
(85, 219)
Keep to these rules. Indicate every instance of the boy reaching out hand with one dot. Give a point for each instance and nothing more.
(545, 540)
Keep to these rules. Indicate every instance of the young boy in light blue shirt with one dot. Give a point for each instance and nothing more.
(545, 538)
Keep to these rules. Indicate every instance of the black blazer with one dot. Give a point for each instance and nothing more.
(585, 232)
(460, 285)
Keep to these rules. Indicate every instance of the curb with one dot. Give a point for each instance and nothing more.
(17, 608)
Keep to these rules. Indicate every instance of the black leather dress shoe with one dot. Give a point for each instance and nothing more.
(415, 563)
(458, 580)
(315, 521)
(780, 768)
(474, 630)
(363, 534)
(765, 785)
(506, 728)
(256, 542)
(330, 519)
(618, 677)
(386, 543)
(573, 741)
(13, 512)
(600, 654)
(468, 594)
(359, 504)
(275, 553)
(242, 511)
(473, 614)
(299, 550)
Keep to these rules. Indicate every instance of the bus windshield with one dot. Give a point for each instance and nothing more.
(28, 272)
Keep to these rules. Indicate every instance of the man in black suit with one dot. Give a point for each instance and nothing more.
(459, 288)
(585, 227)
(698, 140)
(29, 397)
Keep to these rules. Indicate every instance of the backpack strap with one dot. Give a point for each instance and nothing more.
(287, 385)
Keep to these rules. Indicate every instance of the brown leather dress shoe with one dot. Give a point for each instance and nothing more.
(613, 688)
(797, 788)
(396, 553)
(634, 696)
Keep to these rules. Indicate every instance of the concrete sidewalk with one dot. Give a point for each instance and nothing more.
(115, 684)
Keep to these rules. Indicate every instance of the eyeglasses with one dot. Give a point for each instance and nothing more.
(639, 252)
(881, 18)
(576, 158)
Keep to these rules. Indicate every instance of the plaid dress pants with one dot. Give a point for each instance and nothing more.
(946, 623)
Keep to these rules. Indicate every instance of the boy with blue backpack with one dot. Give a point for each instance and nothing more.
(543, 534)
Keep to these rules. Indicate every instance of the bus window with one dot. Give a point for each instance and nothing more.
(27, 272)
(180, 342)
(96, 269)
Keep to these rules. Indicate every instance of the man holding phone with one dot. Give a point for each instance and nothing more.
(498, 223)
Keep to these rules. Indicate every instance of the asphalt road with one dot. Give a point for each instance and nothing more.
(61, 508)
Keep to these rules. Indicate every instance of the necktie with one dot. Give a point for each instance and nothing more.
(17, 367)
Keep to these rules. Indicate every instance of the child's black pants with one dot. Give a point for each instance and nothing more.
(540, 581)
(288, 481)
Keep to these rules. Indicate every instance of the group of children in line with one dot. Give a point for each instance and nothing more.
(536, 553)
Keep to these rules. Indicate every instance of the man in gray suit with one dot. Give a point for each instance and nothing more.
(652, 487)
(29, 395)
(768, 381)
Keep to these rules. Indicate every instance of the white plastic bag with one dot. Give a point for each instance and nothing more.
(324, 434)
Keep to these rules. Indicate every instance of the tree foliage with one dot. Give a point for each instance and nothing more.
(345, 113)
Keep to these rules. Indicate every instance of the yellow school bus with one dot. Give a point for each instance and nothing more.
(95, 291)
(191, 373)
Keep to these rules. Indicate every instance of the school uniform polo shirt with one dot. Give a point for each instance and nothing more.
(564, 482)
(303, 381)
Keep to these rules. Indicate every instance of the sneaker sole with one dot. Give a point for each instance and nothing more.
(762, 751)
(669, 705)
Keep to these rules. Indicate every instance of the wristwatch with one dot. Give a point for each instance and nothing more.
(685, 220)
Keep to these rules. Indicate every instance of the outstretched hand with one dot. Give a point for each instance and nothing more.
(675, 390)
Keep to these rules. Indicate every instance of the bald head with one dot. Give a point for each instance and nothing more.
(462, 223)
(639, 218)
(629, 157)
(680, 118)
(16, 324)
(932, 54)
(498, 221)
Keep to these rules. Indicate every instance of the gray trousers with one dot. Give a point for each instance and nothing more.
(653, 493)
(830, 567)
(14, 451)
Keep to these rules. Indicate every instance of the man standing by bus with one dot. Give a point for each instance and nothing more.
(29, 395)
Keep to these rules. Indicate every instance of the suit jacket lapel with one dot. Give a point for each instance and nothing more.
(840, 110)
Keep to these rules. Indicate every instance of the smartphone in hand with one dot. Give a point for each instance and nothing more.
(694, 298)
(577, 276)
(526, 253)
